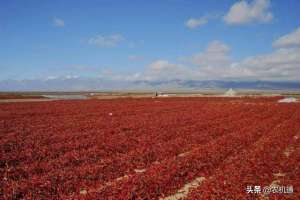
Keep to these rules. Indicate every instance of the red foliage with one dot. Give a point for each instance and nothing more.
(76, 149)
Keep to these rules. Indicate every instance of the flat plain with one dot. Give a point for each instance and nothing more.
(149, 148)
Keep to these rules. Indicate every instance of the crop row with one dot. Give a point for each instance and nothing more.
(272, 160)
(165, 178)
(57, 149)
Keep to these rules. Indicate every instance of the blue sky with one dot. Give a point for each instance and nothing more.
(150, 40)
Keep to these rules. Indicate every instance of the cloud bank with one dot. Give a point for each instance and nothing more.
(194, 23)
(243, 12)
(287, 41)
(215, 63)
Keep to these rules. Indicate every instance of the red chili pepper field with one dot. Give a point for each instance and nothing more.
(150, 148)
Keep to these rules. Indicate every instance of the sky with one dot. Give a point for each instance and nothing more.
(150, 40)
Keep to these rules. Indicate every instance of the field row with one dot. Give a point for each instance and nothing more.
(150, 148)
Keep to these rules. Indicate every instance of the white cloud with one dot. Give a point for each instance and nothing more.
(215, 56)
(164, 70)
(194, 23)
(160, 65)
(58, 22)
(290, 40)
(281, 64)
(215, 63)
(243, 12)
(106, 41)
(71, 77)
(135, 58)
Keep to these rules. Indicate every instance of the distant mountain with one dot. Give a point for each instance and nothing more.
(62, 84)
(80, 84)
(217, 84)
